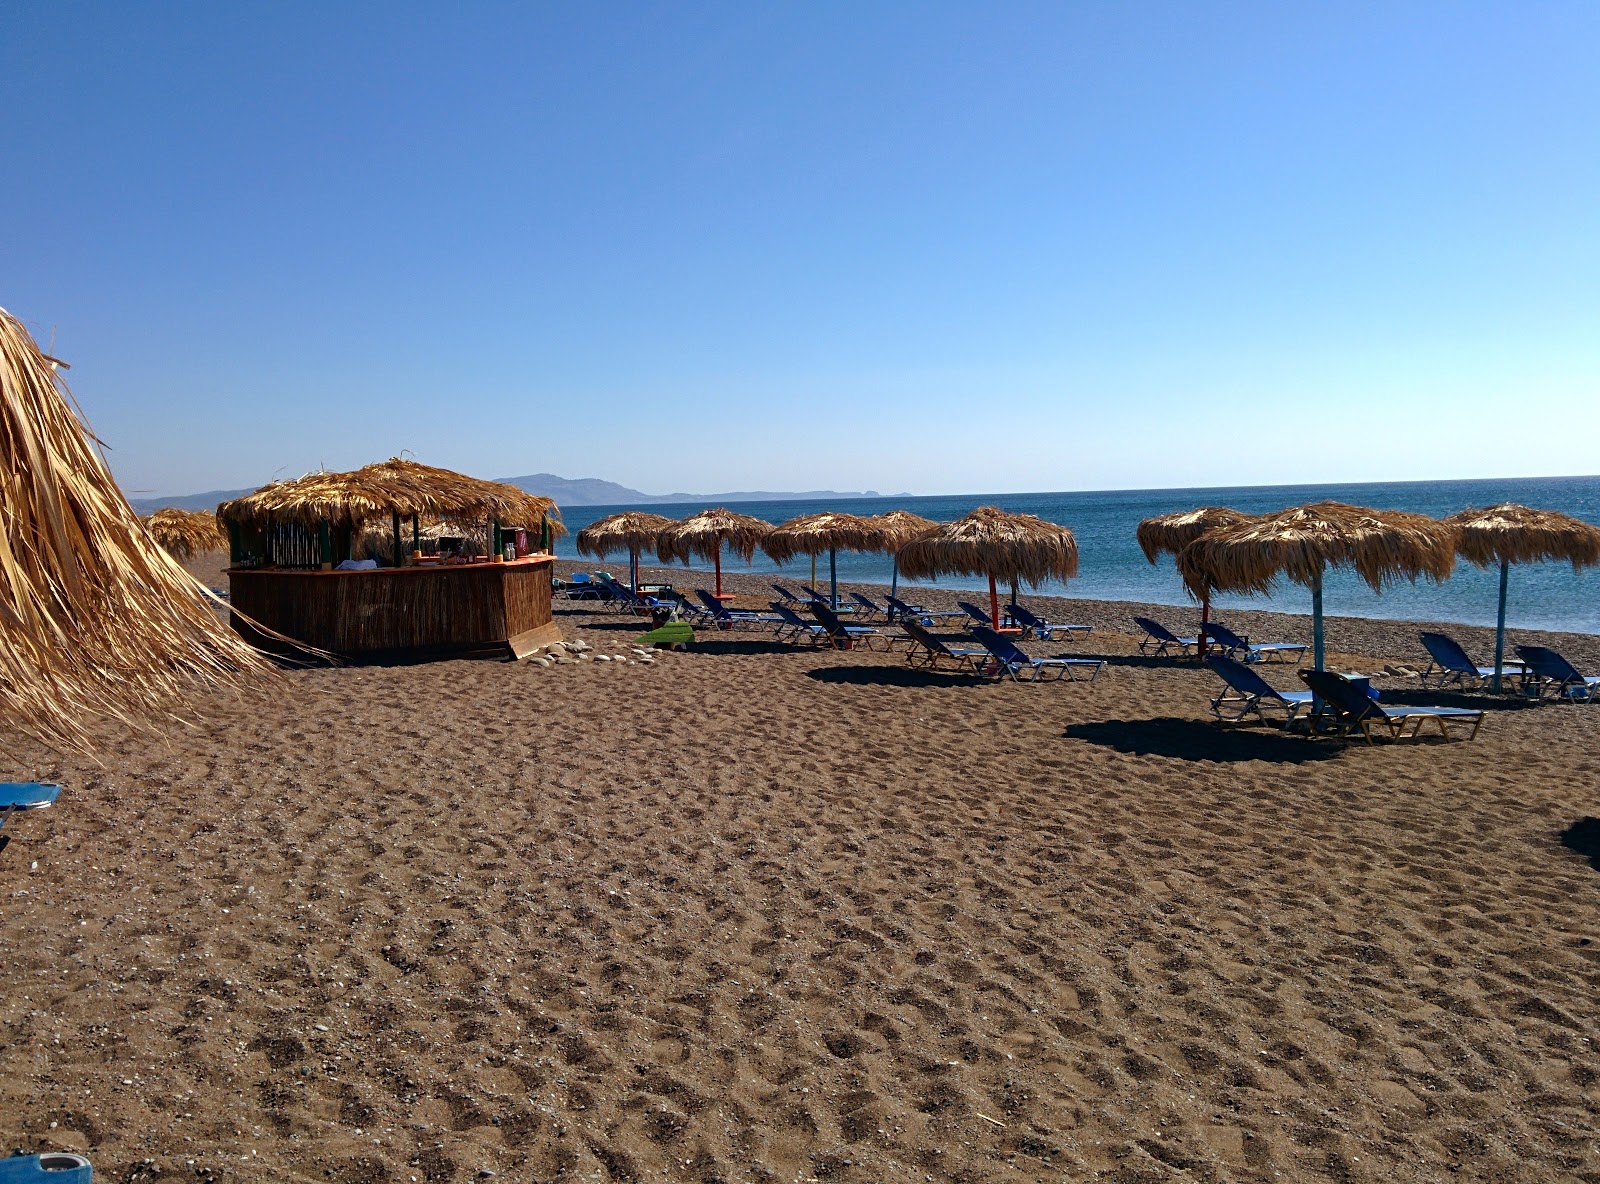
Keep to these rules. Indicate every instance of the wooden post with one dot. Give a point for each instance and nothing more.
(235, 544)
(416, 534)
(398, 559)
(324, 545)
(498, 545)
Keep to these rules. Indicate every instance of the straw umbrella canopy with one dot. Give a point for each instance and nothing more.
(97, 618)
(1509, 533)
(704, 534)
(811, 534)
(990, 542)
(1301, 543)
(630, 530)
(185, 533)
(1171, 533)
(896, 528)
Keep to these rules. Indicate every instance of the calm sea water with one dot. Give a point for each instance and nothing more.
(1111, 566)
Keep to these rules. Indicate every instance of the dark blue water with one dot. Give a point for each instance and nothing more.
(1111, 566)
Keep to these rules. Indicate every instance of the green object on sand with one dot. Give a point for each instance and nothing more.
(672, 633)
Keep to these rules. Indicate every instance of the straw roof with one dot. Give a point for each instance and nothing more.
(97, 619)
(988, 542)
(1173, 532)
(1381, 545)
(704, 533)
(185, 533)
(395, 486)
(1510, 533)
(627, 531)
(896, 528)
(814, 534)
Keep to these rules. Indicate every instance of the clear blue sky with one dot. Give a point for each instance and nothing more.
(924, 247)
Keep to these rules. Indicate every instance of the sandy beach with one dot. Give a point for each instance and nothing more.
(758, 913)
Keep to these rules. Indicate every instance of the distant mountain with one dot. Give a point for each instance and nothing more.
(592, 491)
(189, 501)
(564, 491)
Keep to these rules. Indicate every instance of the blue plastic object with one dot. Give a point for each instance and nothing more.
(53, 1167)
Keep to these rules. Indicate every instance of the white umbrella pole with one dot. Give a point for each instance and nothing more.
(1500, 627)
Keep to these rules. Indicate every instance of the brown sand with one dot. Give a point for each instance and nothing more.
(754, 914)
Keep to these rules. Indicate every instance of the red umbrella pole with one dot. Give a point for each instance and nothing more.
(994, 604)
(719, 571)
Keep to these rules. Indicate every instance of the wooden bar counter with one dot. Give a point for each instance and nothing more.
(446, 610)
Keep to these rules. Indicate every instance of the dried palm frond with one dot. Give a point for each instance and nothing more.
(1173, 532)
(1510, 533)
(1299, 544)
(95, 618)
(704, 534)
(896, 528)
(628, 531)
(990, 542)
(819, 534)
(185, 533)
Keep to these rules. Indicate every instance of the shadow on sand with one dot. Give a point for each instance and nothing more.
(894, 676)
(1196, 740)
(1583, 838)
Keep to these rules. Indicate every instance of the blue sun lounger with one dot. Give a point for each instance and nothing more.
(53, 1167)
(842, 636)
(1009, 660)
(1554, 677)
(1157, 638)
(16, 796)
(866, 604)
(797, 628)
(929, 651)
(789, 597)
(1233, 645)
(1450, 664)
(976, 613)
(1041, 628)
(1245, 692)
(1351, 708)
(917, 612)
(726, 618)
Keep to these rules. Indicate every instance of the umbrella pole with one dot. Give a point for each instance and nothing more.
(1205, 619)
(813, 569)
(1013, 590)
(833, 578)
(894, 578)
(633, 567)
(1500, 627)
(718, 561)
(994, 604)
(1316, 620)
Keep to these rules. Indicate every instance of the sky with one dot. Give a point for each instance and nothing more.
(923, 247)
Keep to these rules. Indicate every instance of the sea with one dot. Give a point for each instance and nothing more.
(1112, 567)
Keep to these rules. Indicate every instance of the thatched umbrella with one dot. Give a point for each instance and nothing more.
(990, 542)
(1173, 532)
(185, 533)
(1510, 533)
(630, 530)
(703, 534)
(1301, 543)
(811, 534)
(98, 619)
(896, 528)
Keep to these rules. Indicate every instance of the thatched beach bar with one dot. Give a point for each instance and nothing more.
(289, 542)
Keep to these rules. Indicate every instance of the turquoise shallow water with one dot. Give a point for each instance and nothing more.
(1111, 566)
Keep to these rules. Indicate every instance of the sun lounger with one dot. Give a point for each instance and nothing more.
(1158, 638)
(789, 597)
(818, 598)
(581, 586)
(725, 618)
(866, 604)
(53, 1167)
(1352, 708)
(16, 796)
(1554, 677)
(975, 613)
(930, 652)
(1042, 628)
(1233, 645)
(1245, 692)
(797, 628)
(1451, 665)
(1009, 660)
(842, 636)
(925, 616)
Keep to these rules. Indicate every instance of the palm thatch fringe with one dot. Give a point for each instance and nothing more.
(1382, 546)
(1510, 533)
(1171, 533)
(628, 531)
(704, 534)
(990, 542)
(185, 533)
(816, 534)
(95, 618)
(395, 486)
(896, 528)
